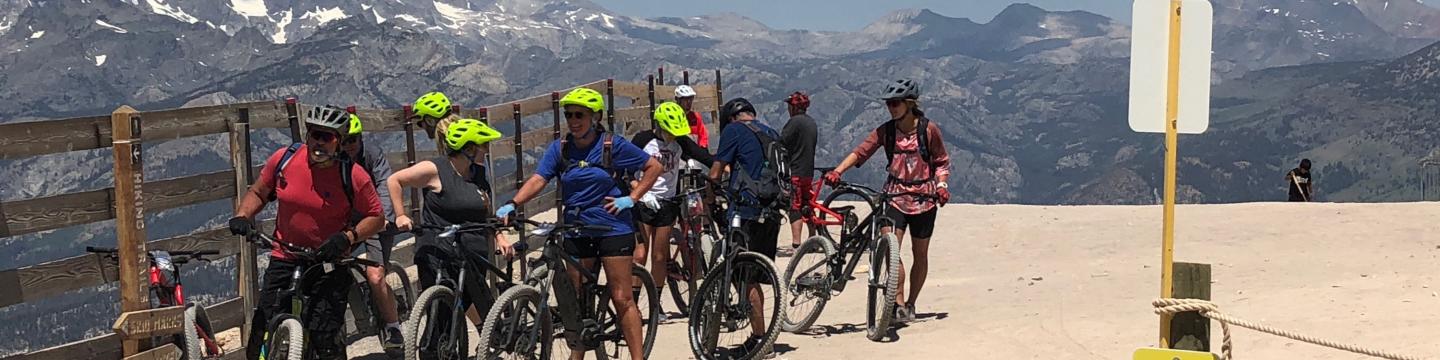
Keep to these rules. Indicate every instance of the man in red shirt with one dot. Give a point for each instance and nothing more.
(313, 210)
(685, 96)
(910, 171)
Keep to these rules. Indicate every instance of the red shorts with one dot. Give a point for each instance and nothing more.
(804, 193)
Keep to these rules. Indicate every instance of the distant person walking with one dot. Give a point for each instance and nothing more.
(799, 138)
(1300, 183)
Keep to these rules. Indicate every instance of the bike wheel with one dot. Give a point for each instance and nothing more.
(807, 283)
(722, 324)
(515, 328)
(427, 332)
(884, 283)
(286, 341)
(850, 220)
(401, 287)
(686, 267)
(199, 337)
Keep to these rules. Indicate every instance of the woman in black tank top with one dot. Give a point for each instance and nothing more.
(456, 192)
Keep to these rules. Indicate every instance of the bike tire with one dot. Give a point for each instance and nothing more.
(689, 268)
(885, 261)
(435, 301)
(797, 317)
(199, 336)
(401, 287)
(500, 317)
(704, 330)
(286, 341)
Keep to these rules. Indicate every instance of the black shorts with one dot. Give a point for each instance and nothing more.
(763, 236)
(601, 247)
(921, 226)
(667, 214)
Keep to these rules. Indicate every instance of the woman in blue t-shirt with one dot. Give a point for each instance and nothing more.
(593, 196)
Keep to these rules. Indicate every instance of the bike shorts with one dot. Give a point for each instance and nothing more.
(601, 246)
(921, 226)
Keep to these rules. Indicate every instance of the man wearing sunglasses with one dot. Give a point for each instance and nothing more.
(371, 158)
(918, 164)
(313, 211)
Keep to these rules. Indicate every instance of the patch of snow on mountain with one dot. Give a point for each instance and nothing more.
(100, 60)
(114, 28)
(323, 16)
(279, 37)
(37, 34)
(458, 17)
(251, 8)
(160, 7)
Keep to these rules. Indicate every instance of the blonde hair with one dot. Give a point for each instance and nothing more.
(440, 127)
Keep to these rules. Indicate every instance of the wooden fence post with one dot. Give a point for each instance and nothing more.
(1190, 330)
(410, 160)
(245, 268)
(292, 110)
(651, 89)
(610, 106)
(660, 75)
(559, 196)
(129, 214)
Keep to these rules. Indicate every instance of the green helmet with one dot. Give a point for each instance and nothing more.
(433, 104)
(586, 97)
(468, 131)
(355, 126)
(672, 119)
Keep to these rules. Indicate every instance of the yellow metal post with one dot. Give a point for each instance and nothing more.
(1172, 98)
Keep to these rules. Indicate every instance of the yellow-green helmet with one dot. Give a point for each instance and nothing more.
(468, 131)
(433, 104)
(586, 97)
(671, 118)
(355, 126)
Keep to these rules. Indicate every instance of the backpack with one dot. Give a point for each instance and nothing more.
(606, 163)
(345, 181)
(922, 134)
(773, 186)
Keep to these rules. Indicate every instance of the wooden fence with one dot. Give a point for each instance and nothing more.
(125, 130)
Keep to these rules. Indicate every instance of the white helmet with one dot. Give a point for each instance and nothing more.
(329, 116)
(684, 91)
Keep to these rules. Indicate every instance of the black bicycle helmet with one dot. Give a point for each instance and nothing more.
(734, 107)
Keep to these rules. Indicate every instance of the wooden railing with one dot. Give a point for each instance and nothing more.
(131, 196)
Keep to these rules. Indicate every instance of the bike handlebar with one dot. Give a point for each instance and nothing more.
(267, 242)
(452, 230)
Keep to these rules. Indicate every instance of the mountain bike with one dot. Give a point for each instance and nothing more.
(198, 340)
(521, 324)
(285, 334)
(821, 268)
(721, 304)
(690, 258)
(437, 327)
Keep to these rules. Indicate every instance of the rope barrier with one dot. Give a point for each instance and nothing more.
(1209, 310)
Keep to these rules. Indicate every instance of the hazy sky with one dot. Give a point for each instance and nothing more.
(848, 14)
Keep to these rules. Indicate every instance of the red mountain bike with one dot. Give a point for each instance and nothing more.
(198, 340)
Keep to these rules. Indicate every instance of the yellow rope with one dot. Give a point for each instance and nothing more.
(1209, 310)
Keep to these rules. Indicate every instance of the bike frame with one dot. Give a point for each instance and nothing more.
(853, 243)
(457, 313)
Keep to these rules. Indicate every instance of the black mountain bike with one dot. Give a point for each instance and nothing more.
(437, 328)
(721, 305)
(285, 334)
(521, 324)
(366, 311)
(821, 268)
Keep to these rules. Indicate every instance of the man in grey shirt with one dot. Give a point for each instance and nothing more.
(799, 139)
(370, 157)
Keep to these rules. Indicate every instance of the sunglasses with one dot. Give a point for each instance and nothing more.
(894, 103)
(576, 115)
(323, 135)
